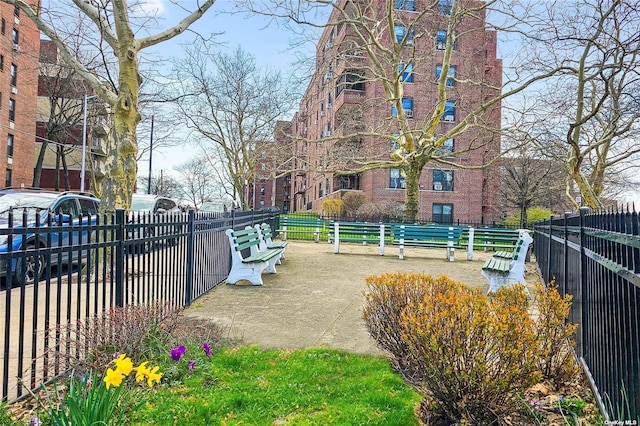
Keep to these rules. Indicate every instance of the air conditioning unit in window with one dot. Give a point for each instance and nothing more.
(14, 90)
(329, 45)
(326, 133)
(403, 184)
(16, 47)
(329, 106)
(322, 113)
(448, 118)
(409, 113)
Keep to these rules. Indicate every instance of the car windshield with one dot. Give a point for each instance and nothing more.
(141, 204)
(19, 201)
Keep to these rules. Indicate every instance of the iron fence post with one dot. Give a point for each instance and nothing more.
(119, 247)
(549, 250)
(581, 296)
(190, 242)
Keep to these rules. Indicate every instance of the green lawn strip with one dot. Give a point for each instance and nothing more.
(250, 386)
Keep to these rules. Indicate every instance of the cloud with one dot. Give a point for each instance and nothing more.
(154, 7)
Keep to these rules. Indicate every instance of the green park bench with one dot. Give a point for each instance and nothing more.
(303, 226)
(508, 268)
(427, 236)
(360, 232)
(250, 268)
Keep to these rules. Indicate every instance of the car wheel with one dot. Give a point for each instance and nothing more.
(29, 267)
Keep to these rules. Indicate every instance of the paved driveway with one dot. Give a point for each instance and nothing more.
(315, 299)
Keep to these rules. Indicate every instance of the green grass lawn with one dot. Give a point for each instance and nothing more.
(250, 386)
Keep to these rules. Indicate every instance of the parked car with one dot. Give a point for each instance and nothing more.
(147, 214)
(56, 208)
(214, 206)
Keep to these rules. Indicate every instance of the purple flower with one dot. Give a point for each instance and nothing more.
(207, 349)
(192, 364)
(176, 353)
(35, 421)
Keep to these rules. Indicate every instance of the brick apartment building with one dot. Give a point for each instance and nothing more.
(342, 85)
(60, 123)
(19, 48)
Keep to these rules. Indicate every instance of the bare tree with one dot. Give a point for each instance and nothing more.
(590, 111)
(162, 184)
(231, 104)
(112, 20)
(197, 184)
(381, 48)
(530, 179)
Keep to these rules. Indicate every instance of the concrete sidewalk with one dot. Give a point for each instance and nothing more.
(315, 299)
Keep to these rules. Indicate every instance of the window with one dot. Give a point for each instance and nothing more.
(16, 11)
(405, 70)
(12, 110)
(7, 178)
(443, 180)
(395, 143)
(320, 193)
(1, 62)
(88, 207)
(10, 145)
(396, 180)
(3, 26)
(441, 40)
(405, 5)
(67, 207)
(446, 148)
(444, 6)
(262, 190)
(442, 213)
(15, 36)
(407, 106)
(403, 35)
(449, 114)
(452, 73)
(351, 80)
(14, 74)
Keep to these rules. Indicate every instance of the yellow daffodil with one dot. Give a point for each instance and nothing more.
(124, 364)
(153, 376)
(113, 378)
(142, 371)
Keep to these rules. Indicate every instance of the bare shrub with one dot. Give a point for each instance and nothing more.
(352, 201)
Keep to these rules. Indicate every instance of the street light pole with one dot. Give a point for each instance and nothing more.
(84, 140)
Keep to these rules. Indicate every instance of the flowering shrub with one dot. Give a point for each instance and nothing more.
(90, 400)
(469, 356)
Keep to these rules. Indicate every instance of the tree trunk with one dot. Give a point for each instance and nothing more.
(37, 170)
(412, 192)
(119, 183)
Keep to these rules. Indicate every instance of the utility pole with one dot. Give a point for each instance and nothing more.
(150, 154)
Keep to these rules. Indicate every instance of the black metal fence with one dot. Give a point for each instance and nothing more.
(73, 270)
(596, 258)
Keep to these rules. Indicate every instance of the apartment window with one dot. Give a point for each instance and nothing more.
(403, 34)
(405, 70)
(1, 62)
(3, 26)
(443, 180)
(16, 11)
(452, 73)
(262, 204)
(320, 193)
(395, 142)
(12, 110)
(405, 5)
(14, 74)
(15, 36)
(329, 100)
(396, 181)
(407, 106)
(328, 186)
(444, 6)
(7, 178)
(446, 148)
(9, 145)
(442, 213)
(449, 114)
(441, 40)
(351, 80)
(262, 190)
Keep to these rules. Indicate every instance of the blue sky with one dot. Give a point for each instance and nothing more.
(268, 41)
